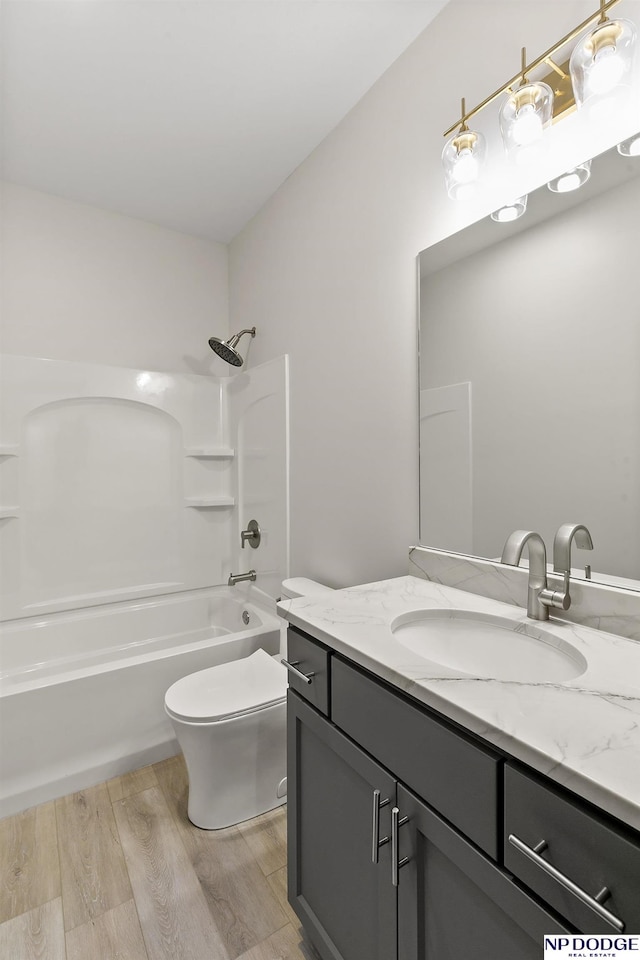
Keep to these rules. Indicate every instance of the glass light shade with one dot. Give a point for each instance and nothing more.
(602, 61)
(525, 115)
(510, 211)
(462, 159)
(571, 179)
(630, 147)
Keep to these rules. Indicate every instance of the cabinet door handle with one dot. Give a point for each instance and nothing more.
(375, 826)
(594, 903)
(396, 822)
(291, 667)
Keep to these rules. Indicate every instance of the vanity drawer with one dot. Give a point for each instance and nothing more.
(309, 657)
(589, 850)
(448, 770)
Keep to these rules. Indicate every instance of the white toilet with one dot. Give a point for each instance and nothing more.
(230, 722)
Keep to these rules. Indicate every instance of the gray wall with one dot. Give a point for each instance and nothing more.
(327, 272)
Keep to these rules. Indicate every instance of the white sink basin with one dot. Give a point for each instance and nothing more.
(490, 647)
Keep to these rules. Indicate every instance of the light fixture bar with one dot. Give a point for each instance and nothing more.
(605, 6)
(559, 80)
(554, 66)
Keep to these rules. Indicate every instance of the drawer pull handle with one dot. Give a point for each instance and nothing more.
(594, 903)
(375, 827)
(291, 667)
(396, 822)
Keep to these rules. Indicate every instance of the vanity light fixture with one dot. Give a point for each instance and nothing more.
(571, 179)
(510, 211)
(602, 61)
(630, 147)
(526, 113)
(600, 66)
(462, 159)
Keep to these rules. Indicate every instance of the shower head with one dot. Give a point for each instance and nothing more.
(226, 352)
(227, 348)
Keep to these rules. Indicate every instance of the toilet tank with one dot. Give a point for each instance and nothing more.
(302, 587)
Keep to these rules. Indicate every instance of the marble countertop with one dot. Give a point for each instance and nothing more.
(582, 733)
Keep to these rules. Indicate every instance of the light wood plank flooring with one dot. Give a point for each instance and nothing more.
(117, 872)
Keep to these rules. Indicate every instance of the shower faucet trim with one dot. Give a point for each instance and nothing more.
(252, 535)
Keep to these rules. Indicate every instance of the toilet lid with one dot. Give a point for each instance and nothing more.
(228, 690)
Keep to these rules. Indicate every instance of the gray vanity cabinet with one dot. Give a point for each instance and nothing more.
(343, 898)
(453, 902)
(375, 777)
(449, 770)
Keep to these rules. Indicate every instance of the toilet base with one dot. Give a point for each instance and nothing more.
(235, 766)
(220, 826)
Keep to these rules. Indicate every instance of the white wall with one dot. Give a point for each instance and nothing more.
(80, 283)
(327, 273)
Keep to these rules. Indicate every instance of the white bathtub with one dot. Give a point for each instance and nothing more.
(82, 693)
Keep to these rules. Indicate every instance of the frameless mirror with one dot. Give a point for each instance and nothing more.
(530, 375)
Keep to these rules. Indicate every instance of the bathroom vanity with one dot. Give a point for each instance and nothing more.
(440, 813)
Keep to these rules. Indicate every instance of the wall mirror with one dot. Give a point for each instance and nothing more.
(530, 375)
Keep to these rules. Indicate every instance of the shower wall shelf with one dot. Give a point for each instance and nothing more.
(206, 503)
(8, 513)
(9, 450)
(210, 453)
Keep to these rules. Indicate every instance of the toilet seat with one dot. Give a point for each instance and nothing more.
(228, 690)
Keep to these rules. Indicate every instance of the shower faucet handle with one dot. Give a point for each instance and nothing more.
(252, 534)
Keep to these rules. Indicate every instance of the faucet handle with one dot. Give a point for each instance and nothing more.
(560, 599)
(252, 534)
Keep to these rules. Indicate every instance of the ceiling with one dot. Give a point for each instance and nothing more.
(186, 113)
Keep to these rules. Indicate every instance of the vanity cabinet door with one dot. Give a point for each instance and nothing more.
(454, 903)
(452, 772)
(345, 901)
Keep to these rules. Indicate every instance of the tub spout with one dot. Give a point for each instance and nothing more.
(240, 577)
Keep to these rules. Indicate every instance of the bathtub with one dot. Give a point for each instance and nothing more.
(82, 693)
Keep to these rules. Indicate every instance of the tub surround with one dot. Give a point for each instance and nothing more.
(582, 733)
(601, 606)
(118, 483)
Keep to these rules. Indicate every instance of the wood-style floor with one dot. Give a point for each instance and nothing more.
(117, 872)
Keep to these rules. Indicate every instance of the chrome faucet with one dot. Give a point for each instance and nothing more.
(240, 577)
(539, 596)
